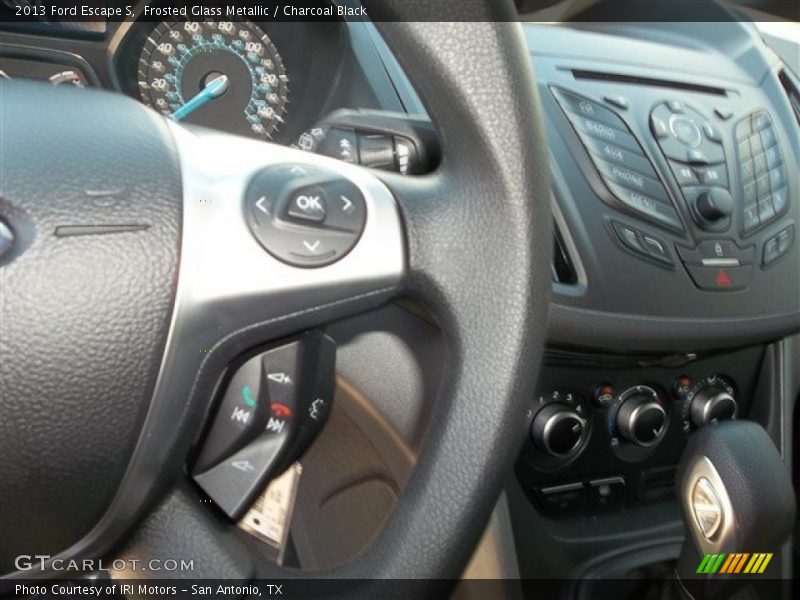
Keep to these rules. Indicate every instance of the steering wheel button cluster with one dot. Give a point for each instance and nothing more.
(242, 415)
(305, 216)
(273, 407)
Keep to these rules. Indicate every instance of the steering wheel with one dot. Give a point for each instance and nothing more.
(133, 281)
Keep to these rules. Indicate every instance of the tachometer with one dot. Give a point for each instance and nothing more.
(181, 59)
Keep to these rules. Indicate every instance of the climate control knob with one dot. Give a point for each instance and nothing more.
(558, 430)
(712, 401)
(641, 418)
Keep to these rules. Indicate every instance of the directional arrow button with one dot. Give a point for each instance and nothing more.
(312, 247)
(261, 204)
(347, 204)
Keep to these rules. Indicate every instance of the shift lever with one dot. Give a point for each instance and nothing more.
(737, 499)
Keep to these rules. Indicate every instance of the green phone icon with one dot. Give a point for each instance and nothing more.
(247, 394)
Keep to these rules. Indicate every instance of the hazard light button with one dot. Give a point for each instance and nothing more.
(720, 279)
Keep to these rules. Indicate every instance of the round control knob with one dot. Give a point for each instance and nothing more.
(714, 204)
(558, 430)
(710, 405)
(641, 419)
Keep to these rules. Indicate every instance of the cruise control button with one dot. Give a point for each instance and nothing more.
(235, 481)
(282, 376)
(308, 204)
(720, 279)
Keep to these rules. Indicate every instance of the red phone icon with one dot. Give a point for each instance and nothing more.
(280, 410)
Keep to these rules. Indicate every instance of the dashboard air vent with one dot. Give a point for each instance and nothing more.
(563, 269)
(792, 92)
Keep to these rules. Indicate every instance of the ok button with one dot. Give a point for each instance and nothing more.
(308, 204)
(686, 131)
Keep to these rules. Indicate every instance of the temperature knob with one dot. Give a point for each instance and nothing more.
(558, 430)
(641, 418)
(712, 401)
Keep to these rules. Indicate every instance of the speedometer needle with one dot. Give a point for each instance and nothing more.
(215, 88)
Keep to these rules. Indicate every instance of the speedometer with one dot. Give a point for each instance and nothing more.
(226, 75)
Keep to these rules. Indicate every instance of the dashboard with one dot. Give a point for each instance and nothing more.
(275, 79)
(674, 168)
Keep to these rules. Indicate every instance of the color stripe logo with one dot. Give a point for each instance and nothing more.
(735, 563)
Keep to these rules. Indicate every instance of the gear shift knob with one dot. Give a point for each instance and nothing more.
(736, 496)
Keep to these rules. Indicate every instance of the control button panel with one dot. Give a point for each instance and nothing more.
(305, 216)
(640, 420)
(693, 147)
(619, 159)
(643, 244)
(762, 171)
(777, 246)
(718, 265)
(272, 408)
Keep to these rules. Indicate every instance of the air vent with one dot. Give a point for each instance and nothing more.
(791, 92)
(563, 269)
(675, 85)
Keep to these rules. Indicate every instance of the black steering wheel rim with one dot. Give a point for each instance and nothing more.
(478, 256)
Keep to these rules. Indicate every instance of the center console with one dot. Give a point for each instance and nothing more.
(606, 434)
(674, 160)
